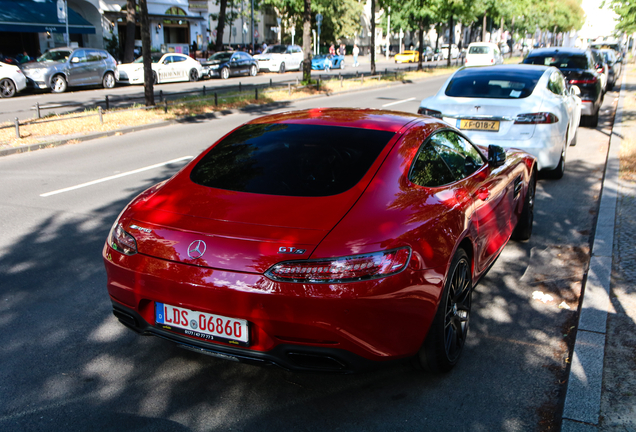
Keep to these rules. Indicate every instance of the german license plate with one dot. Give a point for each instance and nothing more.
(484, 125)
(202, 325)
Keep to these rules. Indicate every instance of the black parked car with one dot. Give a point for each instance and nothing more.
(615, 67)
(226, 63)
(579, 69)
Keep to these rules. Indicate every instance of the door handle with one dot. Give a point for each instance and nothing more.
(483, 194)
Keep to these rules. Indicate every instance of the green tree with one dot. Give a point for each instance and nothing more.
(626, 10)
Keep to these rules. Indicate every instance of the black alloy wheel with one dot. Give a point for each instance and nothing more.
(7, 88)
(281, 69)
(193, 75)
(446, 338)
(253, 70)
(523, 230)
(225, 73)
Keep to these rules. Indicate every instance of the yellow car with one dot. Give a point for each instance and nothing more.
(407, 57)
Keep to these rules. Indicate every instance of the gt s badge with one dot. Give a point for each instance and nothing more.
(291, 250)
(137, 227)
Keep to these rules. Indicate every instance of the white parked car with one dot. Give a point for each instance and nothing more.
(516, 106)
(454, 51)
(12, 80)
(483, 54)
(280, 58)
(168, 67)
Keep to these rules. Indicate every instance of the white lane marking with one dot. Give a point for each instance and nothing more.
(105, 179)
(398, 102)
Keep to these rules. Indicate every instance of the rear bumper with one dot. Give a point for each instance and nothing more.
(300, 358)
(325, 327)
(547, 149)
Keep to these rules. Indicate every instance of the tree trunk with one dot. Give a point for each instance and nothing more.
(483, 28)
(307, 41)
(451, 39)
(512, 37)
(372, 37)
(131, 24)
(145, 45)
(421, 41)
(438, 30)
(218, 46)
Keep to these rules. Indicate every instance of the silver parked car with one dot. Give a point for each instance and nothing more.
(60, 68)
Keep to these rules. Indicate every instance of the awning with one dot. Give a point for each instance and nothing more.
(29, 16)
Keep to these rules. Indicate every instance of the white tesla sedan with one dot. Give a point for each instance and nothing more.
(521, 106)
(12, 80)
(168, 67)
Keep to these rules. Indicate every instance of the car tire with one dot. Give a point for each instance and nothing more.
(7, 88)
(109, 80)
(594, 119)
(575, 138)
(193, 75)
(281, 69)
(253, 71)
(523, 230)
(446, 337)
(225, 73)
(58, 84)
(342, 65)
(155, 78)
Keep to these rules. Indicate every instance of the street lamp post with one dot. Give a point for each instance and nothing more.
(388, 33)
(252, 29)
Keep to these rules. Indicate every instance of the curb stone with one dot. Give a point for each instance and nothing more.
(211, 116)
(582, 408)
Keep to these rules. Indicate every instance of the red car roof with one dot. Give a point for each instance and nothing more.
(391, 121)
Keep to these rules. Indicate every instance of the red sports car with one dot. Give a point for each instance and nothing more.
(325, 239)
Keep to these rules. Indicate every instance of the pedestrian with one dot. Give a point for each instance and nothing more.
(356, 51)
(342, 50)
(194, 48)
(332, 50)
(25, 57)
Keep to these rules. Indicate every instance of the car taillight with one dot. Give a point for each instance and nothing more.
(536, 118)
(592, 80)
(492, 60)
(343, 269)
(122, 241)
(429, 112)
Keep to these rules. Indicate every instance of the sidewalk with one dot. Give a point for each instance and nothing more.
(601, 393)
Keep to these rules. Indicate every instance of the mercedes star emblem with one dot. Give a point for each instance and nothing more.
(196, 249)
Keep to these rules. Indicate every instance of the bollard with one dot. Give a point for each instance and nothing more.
(107, 103)
(361, 78)
(339, 76)
(296, 81)
(318, 83)
(341, 81)
(270, 82)
(396, 74)
(203, 90)
(356, 74)
(37, 110)
(240, 87)
(101, 116)
(17, 128)
(216, 100)
(256, 93)
(165, 106)
(386, 71)
(160, 95)
(289, 88)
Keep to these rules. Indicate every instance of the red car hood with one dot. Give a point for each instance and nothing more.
(241, 231)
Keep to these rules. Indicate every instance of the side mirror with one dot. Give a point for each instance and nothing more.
(496, 155)
(75, 60)
(575, 90)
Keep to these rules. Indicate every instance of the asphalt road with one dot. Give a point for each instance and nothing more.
(77, 99)
(66, 364)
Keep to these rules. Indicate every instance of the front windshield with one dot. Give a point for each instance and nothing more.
(276, 49)
(55, 56)
(221, 56)
(154, 58)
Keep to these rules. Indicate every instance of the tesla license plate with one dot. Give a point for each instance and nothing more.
(483, 125)
(202, 325)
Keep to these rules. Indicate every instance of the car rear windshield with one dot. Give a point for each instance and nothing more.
(291, 159)
(561, 61)
(489, 84)
(479, 50)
